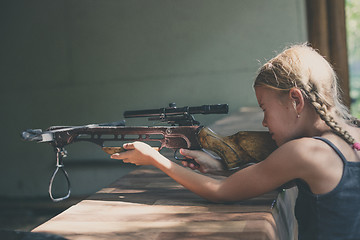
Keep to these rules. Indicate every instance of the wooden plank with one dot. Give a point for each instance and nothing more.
(338, 45)
(317, 22)
(147, 204)
(327, 33)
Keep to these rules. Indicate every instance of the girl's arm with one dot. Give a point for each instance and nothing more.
(140, 153)
(246, 183)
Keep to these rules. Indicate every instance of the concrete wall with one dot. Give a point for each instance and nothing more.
(66, 62)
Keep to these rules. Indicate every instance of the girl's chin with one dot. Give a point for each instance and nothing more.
(278, 142)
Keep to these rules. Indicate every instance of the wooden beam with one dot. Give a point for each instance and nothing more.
(317, 24)
(338, 46)
(327, 33)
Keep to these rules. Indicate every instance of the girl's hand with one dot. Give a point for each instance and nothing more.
(207, 163)
(138, 153)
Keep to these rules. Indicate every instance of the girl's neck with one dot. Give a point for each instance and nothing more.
(317, 128)
(313, 125)
(320, 127)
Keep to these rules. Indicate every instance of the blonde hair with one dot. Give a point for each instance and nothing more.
(300, 66)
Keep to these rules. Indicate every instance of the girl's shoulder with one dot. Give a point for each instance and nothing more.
(304, 149)
(297, 156)
(315, 162)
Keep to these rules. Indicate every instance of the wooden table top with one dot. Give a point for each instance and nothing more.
(147, 204)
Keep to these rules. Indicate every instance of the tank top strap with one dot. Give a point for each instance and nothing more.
(333, 147)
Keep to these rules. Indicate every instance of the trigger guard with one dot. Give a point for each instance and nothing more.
(189, 160)
(179, 159)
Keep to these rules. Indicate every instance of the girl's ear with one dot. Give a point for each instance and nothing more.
(297, 99)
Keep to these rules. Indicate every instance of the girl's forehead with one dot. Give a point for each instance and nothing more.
(260, 95)
(265, 95)
(262, 92)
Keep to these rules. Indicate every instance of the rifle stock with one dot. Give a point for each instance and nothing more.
(239, 149)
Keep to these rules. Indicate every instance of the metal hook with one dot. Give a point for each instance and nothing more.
(60, 153)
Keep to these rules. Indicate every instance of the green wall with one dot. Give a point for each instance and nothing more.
(69, 62)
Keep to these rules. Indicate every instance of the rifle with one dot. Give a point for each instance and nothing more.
(184, 131)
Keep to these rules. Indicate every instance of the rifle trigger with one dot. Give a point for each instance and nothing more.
(189, 160)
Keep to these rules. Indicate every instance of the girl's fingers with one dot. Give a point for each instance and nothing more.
(129, 146)
(183, 152)
(192, 166)
(116, 156)
(121, 156)
(189, 153)
(124, 155)
(185, 163)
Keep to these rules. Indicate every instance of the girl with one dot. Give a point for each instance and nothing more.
(298, 92)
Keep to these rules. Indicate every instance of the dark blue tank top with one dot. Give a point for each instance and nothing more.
(334, 215)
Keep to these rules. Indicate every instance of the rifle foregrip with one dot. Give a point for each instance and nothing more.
(239, 149)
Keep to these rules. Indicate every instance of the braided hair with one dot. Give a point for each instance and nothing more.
(302, 67)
